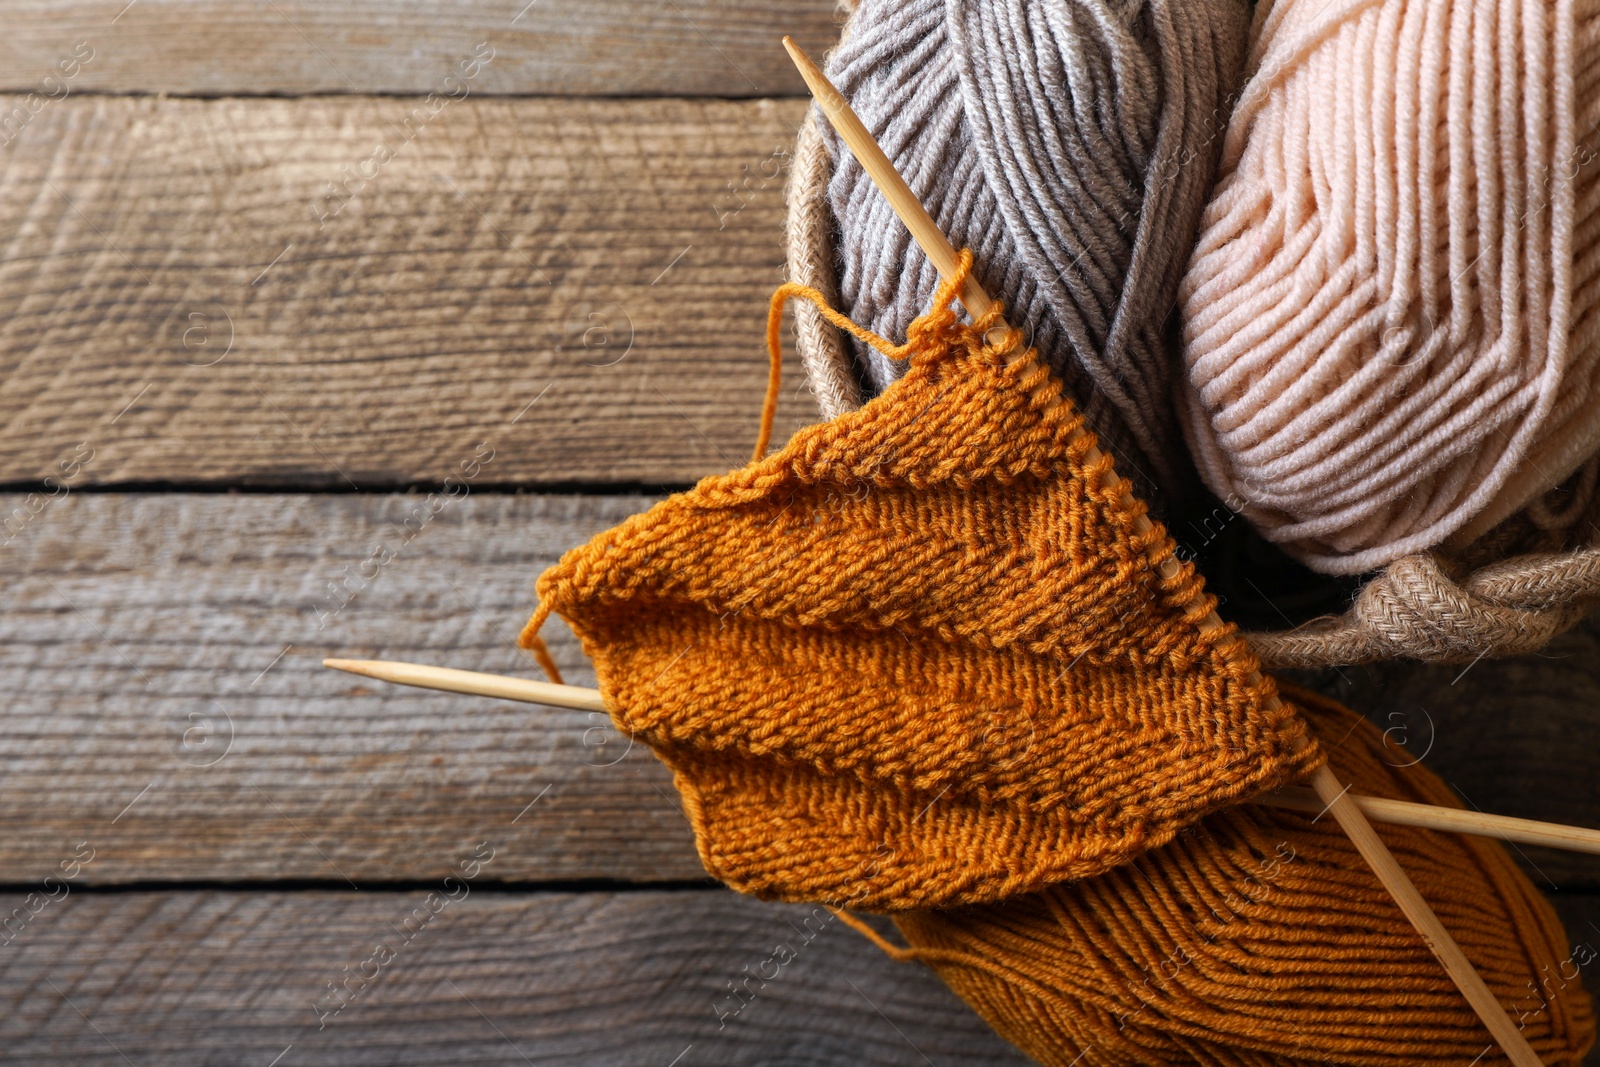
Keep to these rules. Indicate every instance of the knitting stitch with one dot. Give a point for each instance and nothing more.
(1260, 939)
(921, 656)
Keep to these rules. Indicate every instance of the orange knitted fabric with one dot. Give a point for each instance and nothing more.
(920, 656)
(1259, 938)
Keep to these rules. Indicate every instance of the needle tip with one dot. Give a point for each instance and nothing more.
(800, 59)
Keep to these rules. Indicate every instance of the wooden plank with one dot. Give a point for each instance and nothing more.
(131, 613)
(582, 283)
(160, 657)
(594, 979)
(725, 48)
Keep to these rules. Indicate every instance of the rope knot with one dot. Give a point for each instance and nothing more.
(1416, 605)
(1418, 609)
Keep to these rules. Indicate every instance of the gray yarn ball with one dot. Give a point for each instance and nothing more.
(1070, 144)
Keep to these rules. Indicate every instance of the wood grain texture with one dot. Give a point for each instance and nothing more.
(583, 283)
(723, 48)
(148, 709)
(595, 979)
(138, 620)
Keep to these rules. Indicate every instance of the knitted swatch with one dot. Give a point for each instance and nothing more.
(921, 656)
(1259, 938)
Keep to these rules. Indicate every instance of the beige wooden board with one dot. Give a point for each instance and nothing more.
(186, 978)
(145, 630)
(583, 283)
(560, 47)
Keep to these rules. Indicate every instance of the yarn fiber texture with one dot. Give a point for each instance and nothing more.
(1425, 605)
(1070, 144)
(1259, 938)
(1390, 317)
(1510, 592)
(922, 655)
(1416, 608)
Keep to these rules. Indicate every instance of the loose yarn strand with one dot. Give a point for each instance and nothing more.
(940, 318)
(780, 297)
(530, 640)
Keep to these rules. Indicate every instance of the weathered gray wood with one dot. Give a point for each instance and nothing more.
(127, 614)
(561, 47)
(582, 282)
(188, 978)
(138, 628)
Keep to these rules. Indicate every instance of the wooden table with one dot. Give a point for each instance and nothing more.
(302, 361)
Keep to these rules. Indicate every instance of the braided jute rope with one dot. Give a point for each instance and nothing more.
(1508, 592)
(808, 235)
(1415, 609)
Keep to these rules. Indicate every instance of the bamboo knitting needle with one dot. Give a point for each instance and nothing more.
(1335, 796)
(1450, 820)
(1398, 812)
(473, 683)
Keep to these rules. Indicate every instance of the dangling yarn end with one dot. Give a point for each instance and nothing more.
(931, 336)
(769, 406)
(781, 297)
(930, 955)
(889, 948)
(530, 640)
